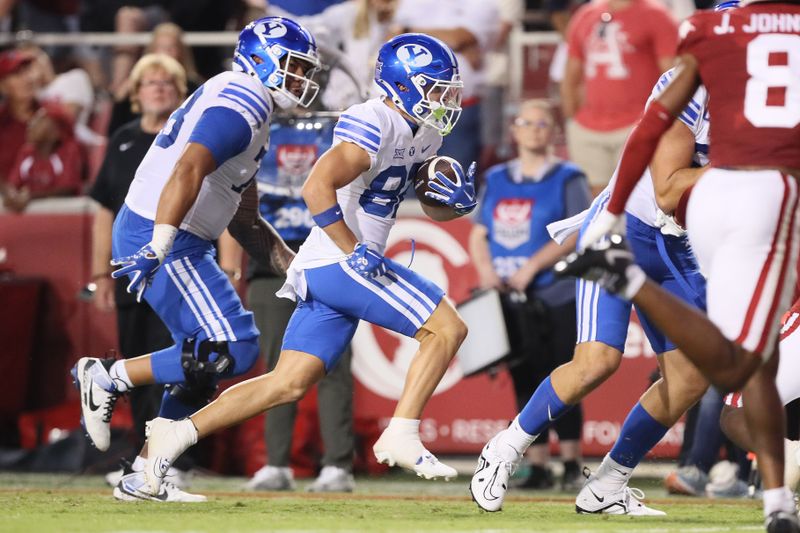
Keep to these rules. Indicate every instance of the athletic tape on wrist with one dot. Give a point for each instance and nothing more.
(163, 237)
(329, 216)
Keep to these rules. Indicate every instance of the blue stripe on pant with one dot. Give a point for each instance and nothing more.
(191, 295)
(603, 317)
(324, 323)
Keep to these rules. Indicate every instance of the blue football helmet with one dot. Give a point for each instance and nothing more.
(420, 75)
(274, 49)
(726, 5)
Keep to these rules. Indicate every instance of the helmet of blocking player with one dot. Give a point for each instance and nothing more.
(283, 55)
(726, 5)
(420, 75)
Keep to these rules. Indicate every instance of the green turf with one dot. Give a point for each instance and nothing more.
(63, 504)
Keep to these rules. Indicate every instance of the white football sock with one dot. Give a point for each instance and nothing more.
(779, 499)
(119, 374)
(138, 464)
(611, 475)
(515, 437)
(404, 426)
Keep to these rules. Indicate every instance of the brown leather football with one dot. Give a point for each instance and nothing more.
(427, 173)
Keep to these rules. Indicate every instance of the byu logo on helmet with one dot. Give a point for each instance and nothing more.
(269, 30)
(415, 55)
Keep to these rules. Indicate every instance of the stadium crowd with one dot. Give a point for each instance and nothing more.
(77, 120)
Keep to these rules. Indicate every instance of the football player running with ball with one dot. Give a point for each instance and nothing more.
(197, 179)
(340, 275)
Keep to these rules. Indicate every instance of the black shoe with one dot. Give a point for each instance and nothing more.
(610, 263)
(540, 478)
(572, 480)
(782, 522)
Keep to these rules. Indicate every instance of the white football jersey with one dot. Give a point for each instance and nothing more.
(642, 202)
(221, 190)
(369, 203)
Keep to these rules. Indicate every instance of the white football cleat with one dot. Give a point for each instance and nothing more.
(166, 441)
(272, 478)
(410, 454)
(594, 499)
(490, 481)
(179, 478)
(133, 487)
(98, 396)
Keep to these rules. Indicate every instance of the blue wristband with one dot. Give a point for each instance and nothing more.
(329, 216)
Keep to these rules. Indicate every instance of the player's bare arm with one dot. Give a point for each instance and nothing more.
(339, 166)
(257, 236)
(671, 168)
(183, 186)
(570, 87)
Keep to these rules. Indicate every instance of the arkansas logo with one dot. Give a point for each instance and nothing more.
(512, 222)
(296, 160)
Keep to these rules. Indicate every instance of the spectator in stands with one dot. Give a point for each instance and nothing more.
(72, 89)
(617, 50)
(493, 110)
(167, 39)
(49, 163)
(358, 28)
(469, 28)
(17, 107)
(158, 86)
(513, 253)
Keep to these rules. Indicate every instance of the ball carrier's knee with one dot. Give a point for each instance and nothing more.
(446, 326)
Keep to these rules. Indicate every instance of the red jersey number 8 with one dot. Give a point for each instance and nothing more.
(764, 76)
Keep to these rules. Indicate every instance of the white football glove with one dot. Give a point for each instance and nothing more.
(604, 224)
(667, 224)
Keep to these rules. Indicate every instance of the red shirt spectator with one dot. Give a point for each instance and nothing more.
(620, 51)
(18, 89)
(49, 163)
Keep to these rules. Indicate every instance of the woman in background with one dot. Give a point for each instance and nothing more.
(514, 254)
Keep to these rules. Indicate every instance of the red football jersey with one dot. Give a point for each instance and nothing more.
(749, 60)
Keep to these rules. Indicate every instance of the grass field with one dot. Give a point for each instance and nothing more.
(58, 503)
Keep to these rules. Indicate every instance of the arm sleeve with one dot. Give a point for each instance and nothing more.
(692, 115)
(223, 131)
(637, 153)
(577, 196)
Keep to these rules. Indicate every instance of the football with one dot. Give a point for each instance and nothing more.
(427, 173)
